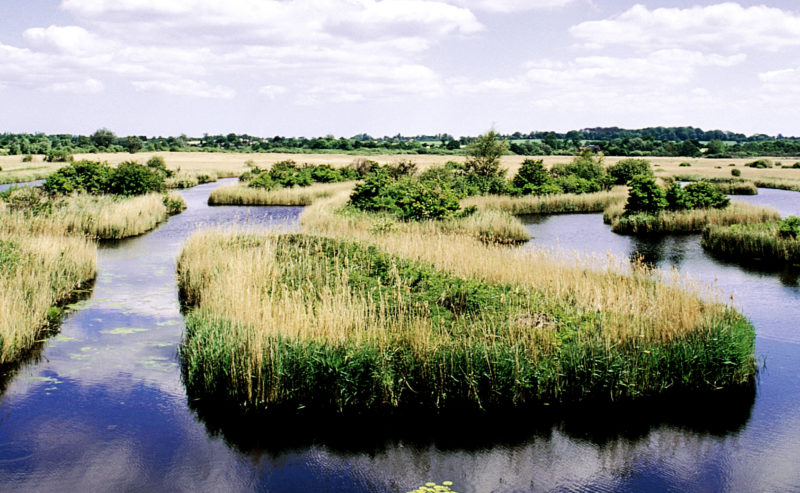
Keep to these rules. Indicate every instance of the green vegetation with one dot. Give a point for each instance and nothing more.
(380, 333)
(736, 173)
(760, 164)
(685, 221)
(127, 179)
(624, 171)
(41, 265)
(775, 242)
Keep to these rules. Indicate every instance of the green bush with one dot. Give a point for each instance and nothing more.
(409, 198)
(685, 165)
(263, 181)
(58, 156)
(796, 165)
(27, 158)
(325, 173)
(288, 174)
(645, 196)
(736, 172)
(699, 195)
(81, 176)
(622, 172)
(760, 164)
(533, 179)
(158, 164)
(790, 227)
(131, 178)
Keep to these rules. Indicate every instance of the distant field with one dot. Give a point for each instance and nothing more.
(233, 164)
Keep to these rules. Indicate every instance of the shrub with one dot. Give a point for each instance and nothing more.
(418, 200)
(288, 174)
(402, 168)
(27, 158)
(81, 176)
(790, 227)
(645, 196)
(760, 164)
(58, 156)
(736, 172)
(699, 195)
(532, 178)
(622, 172)
(131, 178)
(484, 153)
(325, 173)
(732, 165)
(575, 184)
(685, 165)
(362, 166)
(263, 181)
(796, 165)
(373, 194)
(158, 164)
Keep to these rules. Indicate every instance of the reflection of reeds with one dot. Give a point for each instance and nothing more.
(691, 221)
(40, 265)
(549, 204)
(243, 195)
(438, 319)
(761, 242)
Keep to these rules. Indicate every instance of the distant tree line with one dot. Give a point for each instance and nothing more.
(612, 141)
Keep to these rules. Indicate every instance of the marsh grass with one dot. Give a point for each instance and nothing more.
(240, 194)
(548, 204)
(41, 265)
(299, 322)
(690, 221)
(760, 242)
(111, 217)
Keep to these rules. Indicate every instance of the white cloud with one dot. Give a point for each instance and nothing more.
(725, 26)
(186, 87)
(509, 6)
(88, 86)
(272, 92)
(64, 39)
(781, 83)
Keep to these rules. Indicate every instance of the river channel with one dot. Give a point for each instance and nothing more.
(101, 406)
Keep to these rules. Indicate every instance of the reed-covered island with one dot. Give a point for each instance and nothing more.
(294, 322)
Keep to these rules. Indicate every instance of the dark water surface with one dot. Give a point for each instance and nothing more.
(103, 406)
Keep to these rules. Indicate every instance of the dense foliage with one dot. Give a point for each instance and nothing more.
(584, 174)
(129, 178)
(613, 141)
(288, 174)
(622, 172)
(646, 196)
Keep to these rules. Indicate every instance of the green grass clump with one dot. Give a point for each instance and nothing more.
(685, 221)
(336, 326)
(773, 242)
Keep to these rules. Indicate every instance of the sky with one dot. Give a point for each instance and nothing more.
(343, 67)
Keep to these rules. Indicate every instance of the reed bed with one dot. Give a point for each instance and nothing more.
(189, 180)
(41, 265)
(736, 187)
(752, 242)
(691, 221)
(111, 217)
(240, 194)
(777, 183)
(549, 204)
(295, 322)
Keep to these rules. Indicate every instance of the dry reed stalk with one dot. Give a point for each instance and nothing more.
(43, 266)
(240, 194)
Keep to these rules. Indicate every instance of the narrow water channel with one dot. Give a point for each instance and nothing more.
(102, 407)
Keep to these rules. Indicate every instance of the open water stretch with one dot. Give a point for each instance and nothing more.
(101, 406)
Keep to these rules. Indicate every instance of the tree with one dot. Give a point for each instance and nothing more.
(133, 144)
(484, 155)
(624, 170)
(103, 137)
(645, 196)
(715, 148)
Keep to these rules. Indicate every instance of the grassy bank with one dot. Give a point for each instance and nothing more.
(548, 204)
(761, 242)
(691, 221)
(41, 264)
(305, 322)
(241, 194)
(189, 180)
(110, 217)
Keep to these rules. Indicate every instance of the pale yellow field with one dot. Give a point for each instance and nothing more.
(233, 164)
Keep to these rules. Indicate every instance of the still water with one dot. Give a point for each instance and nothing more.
(102, 407)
